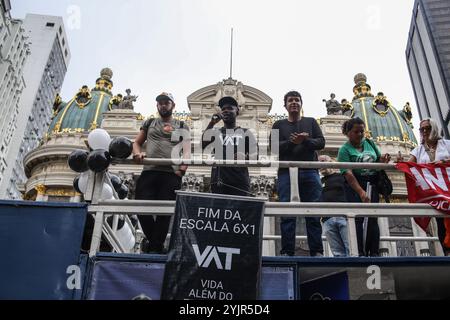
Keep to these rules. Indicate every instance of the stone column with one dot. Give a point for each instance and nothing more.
(262, 187)
(269, 245)
(421, 246)
(387, 248)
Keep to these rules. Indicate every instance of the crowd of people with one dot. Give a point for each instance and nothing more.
(300, 139)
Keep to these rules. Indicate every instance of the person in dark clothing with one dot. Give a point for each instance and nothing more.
(229, 143)
(158, 182)
(334, 228)
(299, 139)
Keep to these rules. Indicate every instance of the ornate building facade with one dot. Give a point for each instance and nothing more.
(50, 178)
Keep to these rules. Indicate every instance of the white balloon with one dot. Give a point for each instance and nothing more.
(126, 237)
(107, 192)
(83, 181)
(99, 139)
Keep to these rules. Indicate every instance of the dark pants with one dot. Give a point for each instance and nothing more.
(310, 190)
(156, 185)
(372, 247)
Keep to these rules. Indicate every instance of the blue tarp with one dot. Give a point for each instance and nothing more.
(126, 276)
(39, 241)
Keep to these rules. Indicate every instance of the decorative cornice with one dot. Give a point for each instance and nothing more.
(208, 95)
(40, 189)
(47, 153)
(381, 99)
(62, 193)
(405, 140)
(85, 93)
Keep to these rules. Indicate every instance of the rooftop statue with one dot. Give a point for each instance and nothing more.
(406, 114)
(115, 101)
(333, 106)
(56, 104)
(127, 101)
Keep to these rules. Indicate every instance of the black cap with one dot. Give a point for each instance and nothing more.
(228, 100)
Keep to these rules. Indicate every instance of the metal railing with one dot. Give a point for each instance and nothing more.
(262, 163)
(100, 208)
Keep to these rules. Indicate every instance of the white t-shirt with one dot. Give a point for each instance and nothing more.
(442, 152)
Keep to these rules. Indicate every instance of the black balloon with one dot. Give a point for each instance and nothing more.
(75, 184)
(122, 192)
(120, 223)
(78, 160)
(116, 181)
(120, 147)
(99, 160)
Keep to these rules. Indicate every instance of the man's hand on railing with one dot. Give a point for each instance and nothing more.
(180, 173)
(364, 197)
(139, 157)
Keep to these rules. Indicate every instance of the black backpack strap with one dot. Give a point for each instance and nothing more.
(151, 122)
(375, 148)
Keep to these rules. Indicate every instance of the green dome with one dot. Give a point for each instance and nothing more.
(383, 121)
(85, 111)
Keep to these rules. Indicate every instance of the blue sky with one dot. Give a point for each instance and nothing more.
(315, 47)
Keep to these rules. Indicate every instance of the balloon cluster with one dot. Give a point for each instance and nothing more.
(103, 149)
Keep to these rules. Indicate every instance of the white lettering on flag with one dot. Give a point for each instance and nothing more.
(438, 180)
(420, 181)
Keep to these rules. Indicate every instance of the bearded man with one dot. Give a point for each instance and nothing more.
(158, 182)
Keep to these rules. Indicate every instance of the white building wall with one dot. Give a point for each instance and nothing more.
(44, 73)
(13, 54)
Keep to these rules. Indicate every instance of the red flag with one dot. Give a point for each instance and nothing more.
(427, 183)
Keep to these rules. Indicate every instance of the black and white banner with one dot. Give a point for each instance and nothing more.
(215, 248)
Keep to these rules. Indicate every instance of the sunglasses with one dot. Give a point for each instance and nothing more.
(425, 129)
